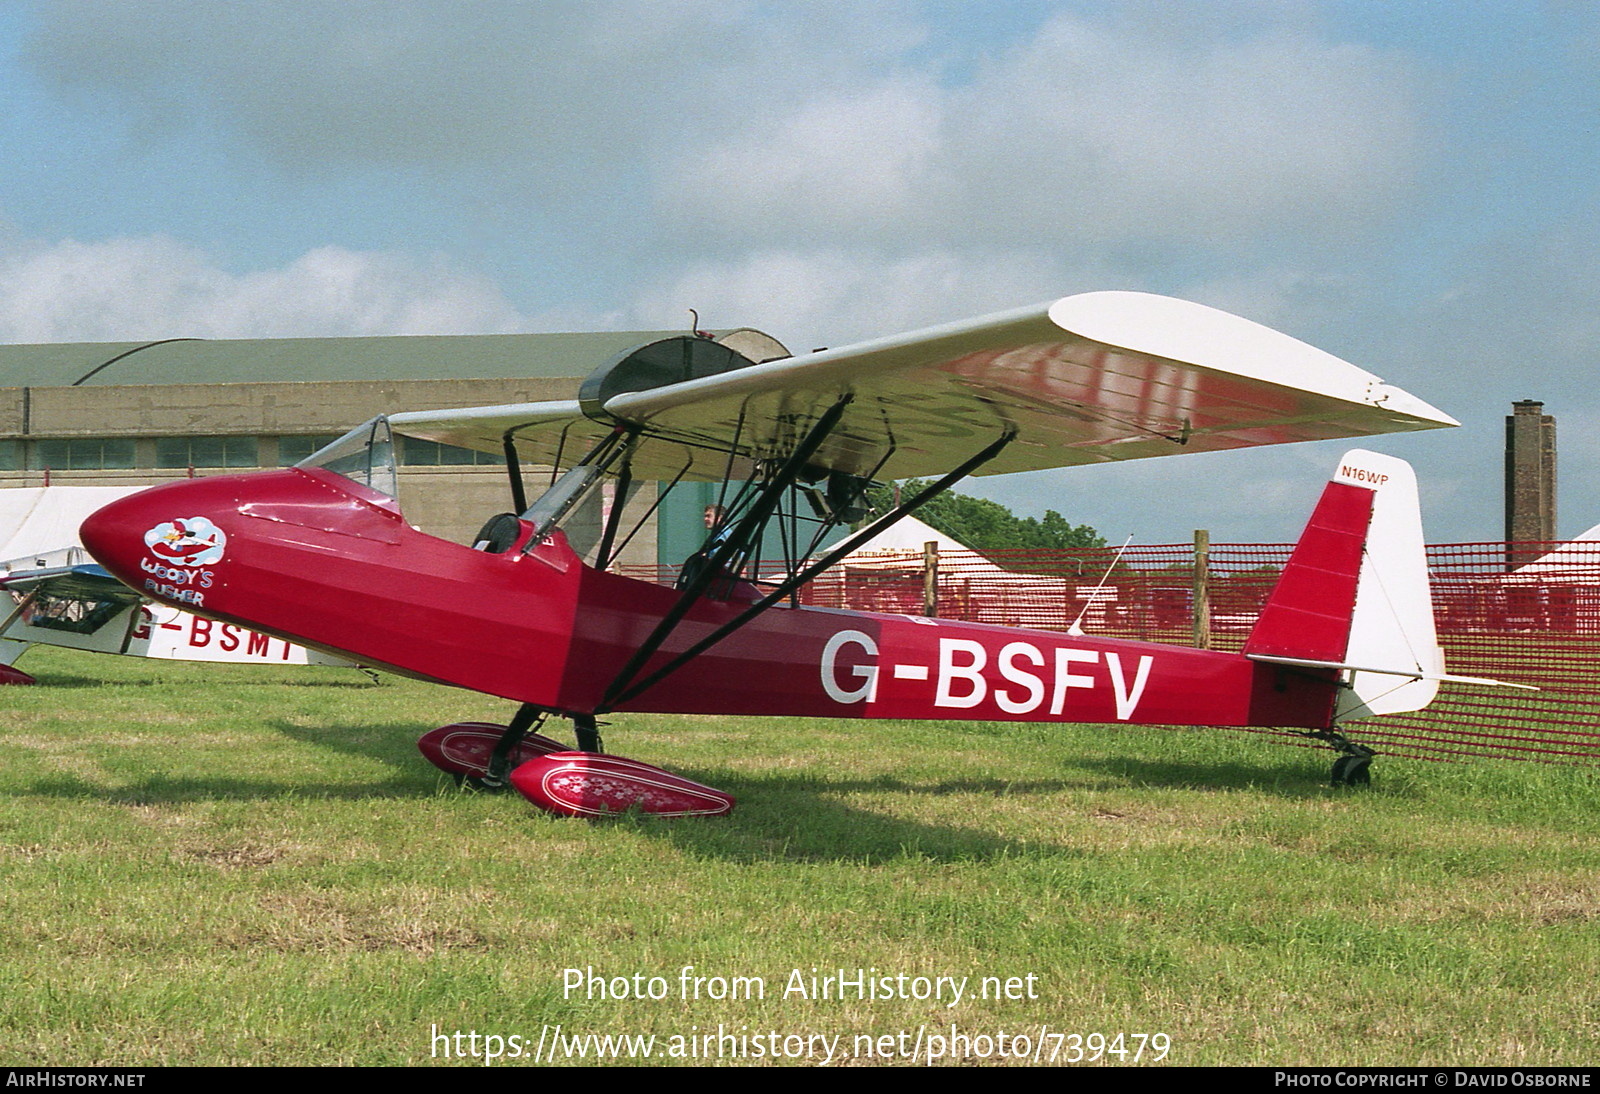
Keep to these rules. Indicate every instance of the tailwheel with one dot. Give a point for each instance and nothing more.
(1353, 770)
(1353, 767)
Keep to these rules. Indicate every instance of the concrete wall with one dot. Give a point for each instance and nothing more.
(450, 502)
(203, 408)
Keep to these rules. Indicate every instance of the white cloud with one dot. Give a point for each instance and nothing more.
(787, 125)
(853, 162)
(1259, 495)
(842, 296)
(153, 287)
(1080, 135)
(527, 88)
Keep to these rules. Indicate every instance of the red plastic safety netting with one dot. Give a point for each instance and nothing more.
(1523, 613)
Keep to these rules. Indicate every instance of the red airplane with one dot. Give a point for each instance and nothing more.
(320, 554)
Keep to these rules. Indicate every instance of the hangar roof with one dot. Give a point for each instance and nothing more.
(257, 360)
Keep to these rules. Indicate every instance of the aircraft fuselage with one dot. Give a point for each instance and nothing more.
(312, 557)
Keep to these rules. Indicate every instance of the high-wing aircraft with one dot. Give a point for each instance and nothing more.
(533, 611)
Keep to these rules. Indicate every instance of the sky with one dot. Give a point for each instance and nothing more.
(1409, 185)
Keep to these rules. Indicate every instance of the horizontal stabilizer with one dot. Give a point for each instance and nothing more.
(1413, 674)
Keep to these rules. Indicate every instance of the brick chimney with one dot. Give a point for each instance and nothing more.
(1530, 480)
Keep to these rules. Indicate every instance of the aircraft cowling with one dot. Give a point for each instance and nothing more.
(311, 556)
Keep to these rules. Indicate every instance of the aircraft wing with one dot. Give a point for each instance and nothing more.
(543, 430)
(1091, 378)
(62, 598)
(67, 573)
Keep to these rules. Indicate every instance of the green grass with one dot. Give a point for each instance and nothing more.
(231, 865)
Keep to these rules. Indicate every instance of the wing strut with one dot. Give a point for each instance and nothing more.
(134, 619)
(22, 606)
(519, 494)
(752, 522)
(623, 689)
(604, 561)
(619, 502)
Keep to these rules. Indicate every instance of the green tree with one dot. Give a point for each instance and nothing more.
(987, 525)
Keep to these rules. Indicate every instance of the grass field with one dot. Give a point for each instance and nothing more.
(236, 865)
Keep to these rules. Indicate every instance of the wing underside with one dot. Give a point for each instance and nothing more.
(64, 573)
(61, 598)
(1087, 379)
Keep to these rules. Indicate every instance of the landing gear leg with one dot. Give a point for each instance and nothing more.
(587, 731)
(494, 778)
(1352, 768)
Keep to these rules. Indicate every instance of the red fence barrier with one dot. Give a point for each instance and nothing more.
(1537, 623)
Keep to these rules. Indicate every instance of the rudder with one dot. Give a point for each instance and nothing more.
(1355, 595)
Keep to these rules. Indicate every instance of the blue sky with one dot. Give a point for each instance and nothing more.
(1411, 186)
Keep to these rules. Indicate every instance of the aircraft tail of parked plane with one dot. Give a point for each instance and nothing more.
(1355, 597)
(1355, 594)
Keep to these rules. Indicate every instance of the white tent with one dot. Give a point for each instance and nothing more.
(905, 536)
(41, 519)
(983, 591)
(1577, 561)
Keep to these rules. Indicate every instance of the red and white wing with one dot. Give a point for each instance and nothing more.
(1092, 378)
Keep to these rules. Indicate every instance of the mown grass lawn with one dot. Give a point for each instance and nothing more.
(237, 865)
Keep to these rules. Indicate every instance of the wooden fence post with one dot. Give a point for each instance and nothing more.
(930, 578)
(1202, 589)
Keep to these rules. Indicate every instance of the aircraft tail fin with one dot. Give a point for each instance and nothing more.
(1355, 593)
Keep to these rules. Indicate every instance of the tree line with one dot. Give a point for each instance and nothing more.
(985, 525)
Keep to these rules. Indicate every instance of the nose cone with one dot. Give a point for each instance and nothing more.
(164, 541)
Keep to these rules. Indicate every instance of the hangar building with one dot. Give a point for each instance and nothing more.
(126, 413)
